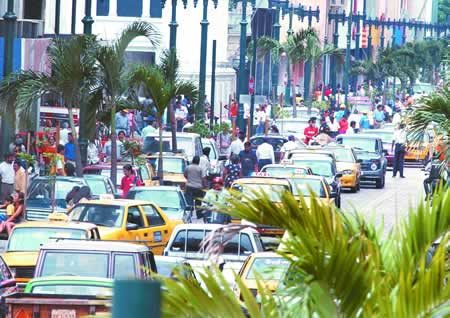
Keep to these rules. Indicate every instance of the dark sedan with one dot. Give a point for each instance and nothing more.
(276, 141)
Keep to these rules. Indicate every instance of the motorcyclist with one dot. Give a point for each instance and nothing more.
(215, 195)
(434, 167)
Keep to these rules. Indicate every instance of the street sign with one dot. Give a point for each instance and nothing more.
(251, 85)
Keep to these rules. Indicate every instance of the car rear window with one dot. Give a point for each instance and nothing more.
(71, 263)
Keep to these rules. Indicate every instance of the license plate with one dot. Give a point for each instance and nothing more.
(64, 313)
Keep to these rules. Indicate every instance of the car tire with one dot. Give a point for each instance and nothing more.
(380, 183)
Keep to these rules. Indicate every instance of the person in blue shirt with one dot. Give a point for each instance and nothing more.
(69, 149)
(364, 122)
(122, 121)
(249, 162)
(340, 113)
(379, 116)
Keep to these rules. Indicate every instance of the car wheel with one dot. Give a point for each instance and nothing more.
(380, 183)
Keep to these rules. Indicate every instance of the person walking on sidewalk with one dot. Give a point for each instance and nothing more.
(196, 182)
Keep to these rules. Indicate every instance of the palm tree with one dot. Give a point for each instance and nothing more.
(340, 265)
(112, 75)
(162, 90)
(293, 48)
(72, 79)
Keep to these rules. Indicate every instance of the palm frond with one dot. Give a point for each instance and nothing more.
(134, 30)
(169, 65)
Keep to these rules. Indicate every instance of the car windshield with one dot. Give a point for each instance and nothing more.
(286, 126)
(172, 165)
(284, 171)
(305, 186)
(41, 190)
(71, 263)
(319, 167)
(27, 239)
(169, 201)
(342, 154)
(386, 136)
(166, 269)
(97, 186)
(73, 289)
(360, 144)
(268, 268)
(99, 214)
(274, 191)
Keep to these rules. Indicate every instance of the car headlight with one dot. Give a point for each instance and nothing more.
(374, 166)
(347, 172)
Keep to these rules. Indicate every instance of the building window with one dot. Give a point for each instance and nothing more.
(32, 9)
(155, 9)
(129, 8)
(102, 7)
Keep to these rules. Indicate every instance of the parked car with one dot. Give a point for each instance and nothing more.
(23, 246)
(40, 193)
(190, 143)
(103, 259)
(325, 166)
(186, 242)
(130, 220)
(369, 153)
(169, 198)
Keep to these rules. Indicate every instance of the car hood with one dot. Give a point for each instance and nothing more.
(271, 285)
(367, 155)
(341, 166)
(14, 259)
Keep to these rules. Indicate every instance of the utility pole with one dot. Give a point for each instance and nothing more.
(347, 53)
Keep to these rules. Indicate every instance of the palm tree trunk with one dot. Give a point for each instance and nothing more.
(78, 164)
(160, 155)
(173, 125)
(113, 145)
(311, 81)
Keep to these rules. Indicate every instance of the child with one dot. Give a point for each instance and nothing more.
(8, 204)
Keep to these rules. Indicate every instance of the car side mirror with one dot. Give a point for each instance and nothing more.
(359, 160)
(8, 283)
(223, 157)
(131, 227)
(338, 175)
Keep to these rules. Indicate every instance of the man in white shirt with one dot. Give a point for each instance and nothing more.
(398, 145)
(396, 119)
(7, 174)
(180, 115)
(107, 149)
(265, 154)
(261, 120)
(288, 146)
(149, 129)
(204, 162)
(355, 116)
(237, 145)
(64, 134)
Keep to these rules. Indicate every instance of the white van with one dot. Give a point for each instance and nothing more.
(186, 239)
(189, 143)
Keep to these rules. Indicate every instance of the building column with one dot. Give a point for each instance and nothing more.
(146, 8)
(112, 8)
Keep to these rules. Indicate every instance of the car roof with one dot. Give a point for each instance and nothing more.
(211, 227)
(74, 279)
(59, 178)
(159, 188)
(120, 202)
(56, 224)
(359, 136)
(90, 245)
(262, 180)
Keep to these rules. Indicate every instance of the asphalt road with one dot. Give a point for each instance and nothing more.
(391, 204)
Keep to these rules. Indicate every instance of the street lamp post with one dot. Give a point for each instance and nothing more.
(173, 24)
(290, 32)
(357, 18)
(302, 13)
(383, 24)
(347, 52)
(87, 20)
(203, 47)
(336, 17)
(10, 35)
(242, 54)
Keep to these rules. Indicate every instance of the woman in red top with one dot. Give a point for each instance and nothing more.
(129, 180)
(343, 125)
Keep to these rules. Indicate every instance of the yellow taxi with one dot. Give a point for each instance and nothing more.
(347, 164)
(23, 245)
(304, 184)
(127, 220)
(173, 168)
(269, 267)
(418, 150)
(273, 187)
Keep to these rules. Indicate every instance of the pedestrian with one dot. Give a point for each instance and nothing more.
(64, 133)
(149, 129)
(71, 195)
(352, 129)
(343, 125)
(17, 143)
(237, 145)
(20, 177)
(224, 141)
(340, 113)
(181, 113)
(232, 171)
(82, 195)
(396, 119)
(334, 126)
(57, 166)
(399, 148)
(69, 150)
(364, 122)
(8, 205)
(7, 175)
(311, 131)
(92, 153)
(354, 117)
(379, 116)
(249, 162)
(265, 154)
(69, 169)
(288, 146)
(195, 184)
(261, 120)
(129, 180)
(107, 148)
(204, 163)
(122, 121)
(214, 196)
(17, 217)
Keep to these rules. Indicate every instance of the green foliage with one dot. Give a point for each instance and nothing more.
(443, 11)
(322, 105)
